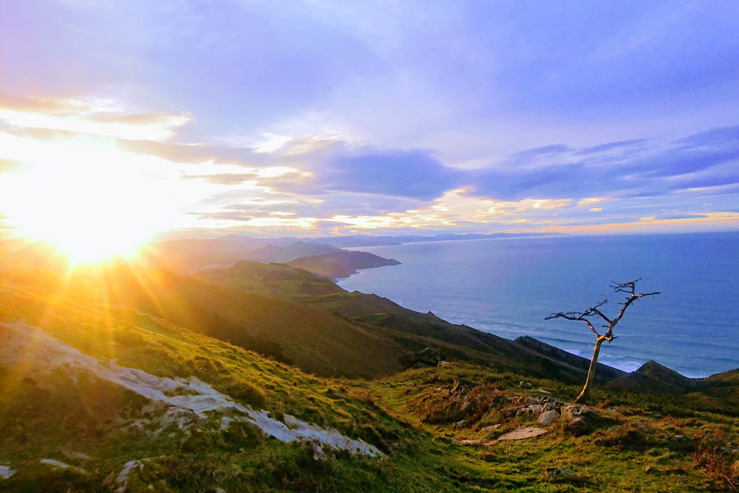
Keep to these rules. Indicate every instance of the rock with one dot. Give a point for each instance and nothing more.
(542, 391)
(57, 464)
(490, 429)
(548, 417)
(577, 426)
(480, 442)
(530, 410)
(74, 455)
(318, 453)
(522, 434)
(583, 420)
(420, 359)
(6, 472)
(532, 400)
(682, 439)
(525, 385)
(461, 423)
(570, 411)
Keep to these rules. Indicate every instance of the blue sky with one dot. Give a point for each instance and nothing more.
(314, 117)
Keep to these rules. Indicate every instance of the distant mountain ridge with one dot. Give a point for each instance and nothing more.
(192, 255)
(341, 264)
(281, 254)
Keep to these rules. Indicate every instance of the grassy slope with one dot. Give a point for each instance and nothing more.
(412, 330)
(45, 423)
(313, 340)
(642, 448)
(399, 414)
(274, 280)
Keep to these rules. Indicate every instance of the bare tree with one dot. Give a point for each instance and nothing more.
(628, 288)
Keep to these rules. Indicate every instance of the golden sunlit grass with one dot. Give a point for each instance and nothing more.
(87, 199)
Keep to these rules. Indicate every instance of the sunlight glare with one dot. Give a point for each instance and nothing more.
(88, 199)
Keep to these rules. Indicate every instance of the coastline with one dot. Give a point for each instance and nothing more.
(432, 277)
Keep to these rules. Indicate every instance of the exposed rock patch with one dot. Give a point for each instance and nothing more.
(6, 472)
(522, 434)
(518, 434)
(184, 401)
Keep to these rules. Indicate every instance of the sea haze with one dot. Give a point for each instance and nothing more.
(508, 286)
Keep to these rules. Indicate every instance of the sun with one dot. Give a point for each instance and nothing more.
(92, 202)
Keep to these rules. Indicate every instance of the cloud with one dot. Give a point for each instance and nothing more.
(344, 185)
(591, 200)
(89, 116)
(408, 173)
(313, 182)
(456, 208)
(711, 221)
(639, 168)
(611, 146)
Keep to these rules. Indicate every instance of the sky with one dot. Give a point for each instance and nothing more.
(180, 118)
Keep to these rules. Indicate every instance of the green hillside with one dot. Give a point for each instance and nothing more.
(405, 329)
(108, 398)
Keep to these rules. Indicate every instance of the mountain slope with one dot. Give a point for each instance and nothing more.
(413, 331)
(98, 396)
(95, 399)
(654, 378)
(315, 341)
(275, 280)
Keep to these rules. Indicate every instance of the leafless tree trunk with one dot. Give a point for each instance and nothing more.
(628, 288)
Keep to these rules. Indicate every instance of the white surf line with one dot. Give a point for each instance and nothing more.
(38, 351)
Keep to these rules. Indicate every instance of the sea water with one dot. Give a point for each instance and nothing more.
(508, 286)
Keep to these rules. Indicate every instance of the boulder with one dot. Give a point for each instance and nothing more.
(548, 417)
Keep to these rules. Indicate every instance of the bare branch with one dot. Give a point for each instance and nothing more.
(580, 316)
(628, 288)
(600, 313)
(591, 327)
(627, 303)
(625, 287)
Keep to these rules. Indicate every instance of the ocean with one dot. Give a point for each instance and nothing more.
(508, 286)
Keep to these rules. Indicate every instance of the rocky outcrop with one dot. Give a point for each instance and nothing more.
(423, 358)
(181, 403)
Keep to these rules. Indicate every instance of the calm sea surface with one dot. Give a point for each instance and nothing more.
(508, 286)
